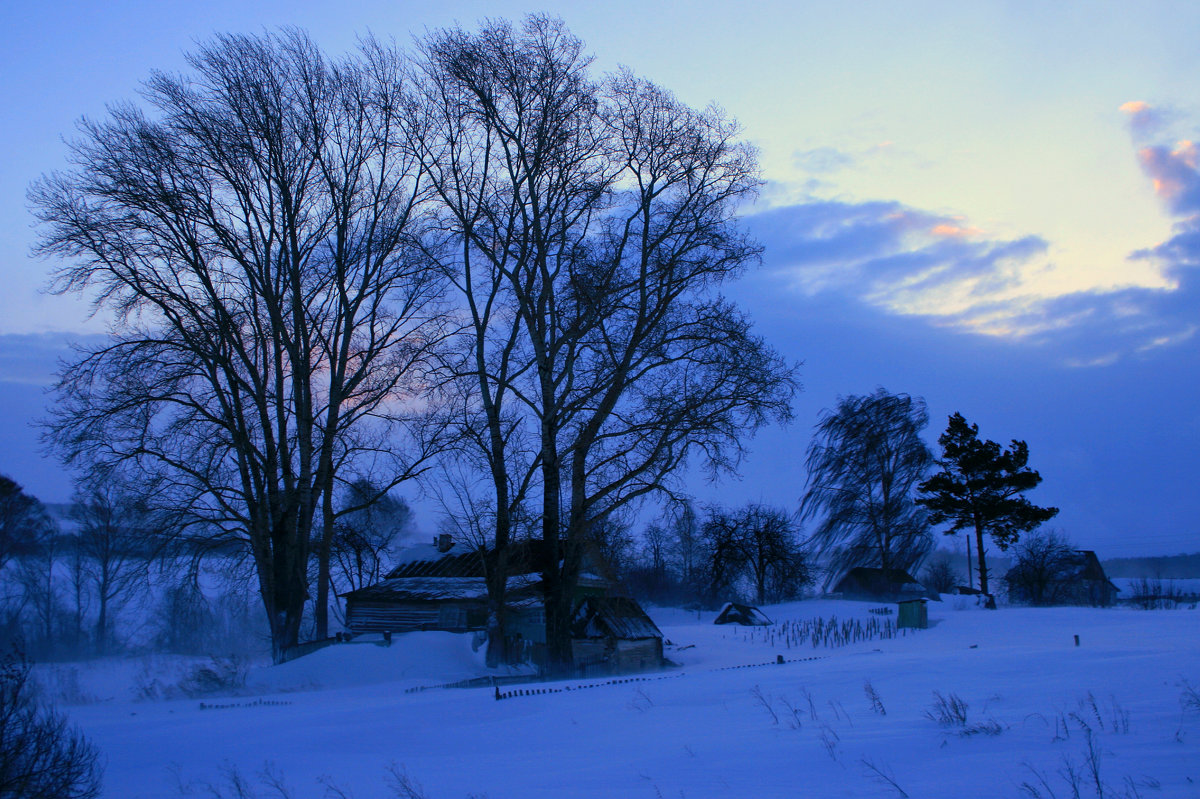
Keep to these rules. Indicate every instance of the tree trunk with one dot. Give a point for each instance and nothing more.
(497, 583)
(324, 547)
(983, 581)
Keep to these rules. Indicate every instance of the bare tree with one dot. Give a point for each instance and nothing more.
(757, 542)
(1045, 568)
(939, 575)
(41, 609)
(368, 527)
(864, 464)
(771, 552)
(723, 554)
(273, 317)
(596, 216)
(114, 540)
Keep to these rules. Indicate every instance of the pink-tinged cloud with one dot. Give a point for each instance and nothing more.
(949, 230)
(1135, 106)
(1174, 174)
(1144, 119)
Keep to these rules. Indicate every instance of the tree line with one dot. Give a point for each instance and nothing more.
(474, 263)
(475, 259)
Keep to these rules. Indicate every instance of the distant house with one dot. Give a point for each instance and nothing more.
(441, 586)
(1076, 579)
(736, 613)
(876, 585)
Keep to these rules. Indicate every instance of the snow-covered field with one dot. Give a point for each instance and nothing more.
(1043, 717)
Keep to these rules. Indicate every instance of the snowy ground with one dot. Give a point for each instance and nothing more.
(1039, 711)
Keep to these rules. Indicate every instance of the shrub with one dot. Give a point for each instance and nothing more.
(41, 755)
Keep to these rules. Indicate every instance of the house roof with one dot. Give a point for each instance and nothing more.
(1080, 565)
(619, 617)
(425, 573)
(870, 576)
(428, 588)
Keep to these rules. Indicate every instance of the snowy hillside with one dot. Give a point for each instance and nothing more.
(1022, 712)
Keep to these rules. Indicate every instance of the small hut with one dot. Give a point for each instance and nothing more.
(748, 615)
(877, 585)
(614, 634)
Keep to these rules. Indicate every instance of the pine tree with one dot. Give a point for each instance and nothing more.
(980, 488)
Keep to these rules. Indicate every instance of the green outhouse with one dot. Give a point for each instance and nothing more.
(914, 614)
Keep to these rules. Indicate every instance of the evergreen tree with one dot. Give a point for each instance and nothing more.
(980, 488)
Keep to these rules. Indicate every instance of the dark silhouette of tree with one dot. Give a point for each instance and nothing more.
(41, 755)
(368, 527)
(586, 223)
(864, 464)
(939, 575)
(756, 543)
(254, 238)
(770, 551)
(723, 556)
(1045, 565)
(24, 521)
(980, 488)
(114, 539)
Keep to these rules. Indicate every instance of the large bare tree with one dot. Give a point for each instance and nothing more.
(588, 224)
(252, 238)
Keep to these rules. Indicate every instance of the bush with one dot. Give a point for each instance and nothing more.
(1045, 571)
(41, 755)
(940, 576)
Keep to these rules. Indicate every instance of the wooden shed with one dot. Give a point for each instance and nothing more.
(614, 634)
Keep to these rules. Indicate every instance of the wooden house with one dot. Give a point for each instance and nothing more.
(441, 586)
(876, 585)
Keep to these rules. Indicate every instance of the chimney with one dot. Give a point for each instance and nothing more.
(444, 542)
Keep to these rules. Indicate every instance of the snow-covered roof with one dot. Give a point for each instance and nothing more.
(620, 617)
(434, 588)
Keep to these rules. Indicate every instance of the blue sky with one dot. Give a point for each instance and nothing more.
(990, 205)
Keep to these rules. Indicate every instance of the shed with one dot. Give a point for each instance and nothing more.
(614, 634)
(748, 615)
(913, 614)
(877, 585)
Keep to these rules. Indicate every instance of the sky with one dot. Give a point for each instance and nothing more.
(994, 206)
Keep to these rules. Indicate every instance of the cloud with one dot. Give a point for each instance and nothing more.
(903, 261)
(891, 256)
(1145, 119)
(822, 160)
(1172, 170)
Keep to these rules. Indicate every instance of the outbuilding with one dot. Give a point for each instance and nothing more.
(614, 634)
(737, 613)
(877, 585)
